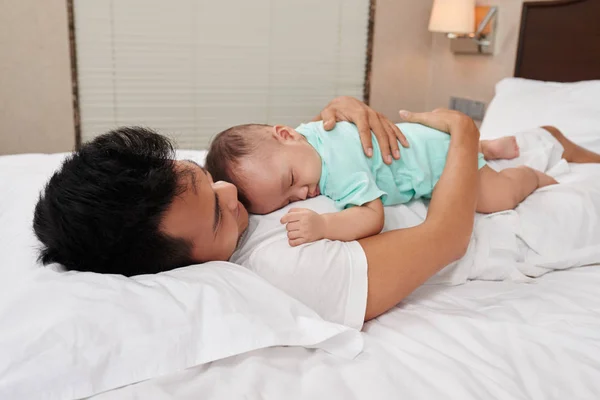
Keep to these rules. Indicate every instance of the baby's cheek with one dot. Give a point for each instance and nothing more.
(263, 208)
(264, 202)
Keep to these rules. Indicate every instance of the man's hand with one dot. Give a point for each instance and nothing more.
(303, 226)
(346, 108)
(444, 120)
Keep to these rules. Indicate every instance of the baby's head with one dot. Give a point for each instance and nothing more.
(271, 166)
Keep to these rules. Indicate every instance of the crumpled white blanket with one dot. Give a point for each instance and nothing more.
(557, 227)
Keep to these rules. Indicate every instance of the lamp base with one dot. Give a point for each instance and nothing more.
(466, 45)
(483, 40)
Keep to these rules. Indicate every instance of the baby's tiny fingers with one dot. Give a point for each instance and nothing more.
(293, 226)
(290, 217)
(295, 210)
(296, 242)
(294, 234)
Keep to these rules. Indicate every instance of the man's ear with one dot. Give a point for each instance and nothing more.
(284, 133)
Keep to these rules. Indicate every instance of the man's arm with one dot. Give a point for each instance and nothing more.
(400, 261)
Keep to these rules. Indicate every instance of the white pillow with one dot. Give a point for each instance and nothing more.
(22, 177)
(73, 334)
(522, 104)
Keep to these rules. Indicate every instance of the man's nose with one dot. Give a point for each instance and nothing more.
(228, 194)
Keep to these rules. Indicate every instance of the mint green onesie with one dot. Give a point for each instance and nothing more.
(352, 179)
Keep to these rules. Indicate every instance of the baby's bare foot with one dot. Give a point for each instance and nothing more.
(505, 148)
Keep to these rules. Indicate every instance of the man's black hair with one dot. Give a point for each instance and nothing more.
(102, 210)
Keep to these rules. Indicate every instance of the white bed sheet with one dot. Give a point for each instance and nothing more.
(492, 340)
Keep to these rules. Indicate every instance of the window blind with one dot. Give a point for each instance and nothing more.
(191, 68)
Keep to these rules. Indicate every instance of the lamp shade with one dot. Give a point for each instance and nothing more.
(452, 16)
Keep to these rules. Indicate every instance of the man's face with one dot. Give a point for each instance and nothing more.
(208, 215)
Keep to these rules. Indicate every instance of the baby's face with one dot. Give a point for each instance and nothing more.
(287, 170)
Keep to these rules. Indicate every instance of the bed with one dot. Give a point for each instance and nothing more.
(503, 339)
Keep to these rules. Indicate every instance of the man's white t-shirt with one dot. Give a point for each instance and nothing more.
(328, 276)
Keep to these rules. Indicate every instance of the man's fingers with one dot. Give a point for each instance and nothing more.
(440, 119)
(328, 116)
(362, 124)
(382, 137)
(410, 116)
(399, 135)
(391, 137)
(430, 119)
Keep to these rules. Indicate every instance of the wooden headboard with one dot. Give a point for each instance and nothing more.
(559, 41)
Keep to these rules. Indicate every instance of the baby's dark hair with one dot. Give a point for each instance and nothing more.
(228, 148)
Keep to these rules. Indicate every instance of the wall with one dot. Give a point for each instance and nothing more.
(401, 56)
(36, 113)
(411, 68)
(473, 76)
(414, 69)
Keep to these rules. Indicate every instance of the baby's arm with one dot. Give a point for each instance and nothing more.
(305, 226)
(355, 222)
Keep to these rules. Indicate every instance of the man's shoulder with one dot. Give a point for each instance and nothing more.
(339, 267)
(262, 230)
(266, 236)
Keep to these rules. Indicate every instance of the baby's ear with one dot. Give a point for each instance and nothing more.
(284, 133)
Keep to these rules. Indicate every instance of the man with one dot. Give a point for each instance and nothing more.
(123, 205)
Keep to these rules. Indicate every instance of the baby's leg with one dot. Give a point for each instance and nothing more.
(504, 190)
(502, 148)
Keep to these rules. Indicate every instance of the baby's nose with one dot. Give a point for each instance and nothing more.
(303, 192)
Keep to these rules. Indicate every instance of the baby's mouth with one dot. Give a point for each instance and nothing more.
(315, 192)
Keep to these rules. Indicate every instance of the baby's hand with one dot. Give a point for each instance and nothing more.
(303, 226)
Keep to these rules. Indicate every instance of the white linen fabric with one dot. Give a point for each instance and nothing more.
(328, 276)
(481, 340)
(70, 335)
(523, 104)
(557, 227)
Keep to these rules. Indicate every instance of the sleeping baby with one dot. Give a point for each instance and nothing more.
(273, 166)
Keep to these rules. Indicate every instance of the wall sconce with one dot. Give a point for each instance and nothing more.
(472, 29)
